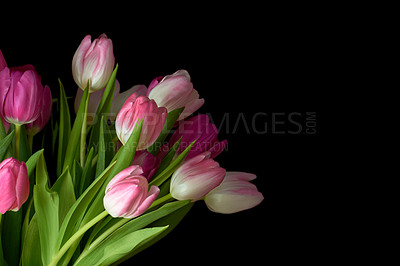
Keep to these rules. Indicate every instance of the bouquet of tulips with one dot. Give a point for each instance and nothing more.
(126, 170)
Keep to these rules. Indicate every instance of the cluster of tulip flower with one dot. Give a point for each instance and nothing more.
(106, 205)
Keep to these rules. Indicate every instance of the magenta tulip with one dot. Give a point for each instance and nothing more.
(234, 194)
(14, 185)
(133, 111)
(127, 194)
(148, 162)
(205, 133)
(44, 116)
(21, 94)
(196, 177)
(175, 91)
(93, 63)
(3, 63)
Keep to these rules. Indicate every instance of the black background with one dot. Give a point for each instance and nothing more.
(252, 65)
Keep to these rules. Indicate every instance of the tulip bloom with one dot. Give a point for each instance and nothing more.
(234, 194)
(117, 102)
(133, 111)
(21, 94)
(196, 177)
(175, 91)
(3, 63)
(127, 194)
(93, 63)
(148, 162)
(14, 185)
(205, 133)
(44, 116)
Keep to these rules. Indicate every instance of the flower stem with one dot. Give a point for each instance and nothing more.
(77, 236)
(83, 133)
(30, 142)
(17, 140)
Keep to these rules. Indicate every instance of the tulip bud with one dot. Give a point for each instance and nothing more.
(148, 162)
(175, 91)
(234, 194)
(205, 133)
(44, 116)
(14, 185)
(93, 63)
(21, 94)
(133, 111)
(3, 63)
(196, 177)
(127, 194)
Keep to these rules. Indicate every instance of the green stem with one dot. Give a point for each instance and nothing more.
(30, 142)
(83, 133)
(17, 140)
(77, 236)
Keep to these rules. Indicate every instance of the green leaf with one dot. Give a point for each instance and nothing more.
(171, 219)
(2, 260)
(73, 143)
(118, 245)
(5, 143)
(171, 119)
(87, 173)
(106, 100)
(135, 224)
(31, 163)
(11, 235)
(46, 206)
(65, 189)
(64, 129)
(164, 175)
(73, 218)
(31, 251)
(101, 159)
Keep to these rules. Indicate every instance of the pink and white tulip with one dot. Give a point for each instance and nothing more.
(127, 194)
(93, 63)
(132, 112)
(14, 185)
(200, 129)
(148, 162)
(116, 105)
(21, 94)
(196, 177)
(234, 194)
(44, 116)
(175, 91)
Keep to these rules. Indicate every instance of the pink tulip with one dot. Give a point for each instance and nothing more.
(37, 125)
(93, 63)
(196, 177)
(127, 194)
(116, 105)
(205, 133)
(21, 94)
(148, 162)
(14, 185)
(3, 63)
(133, 111)
(175, 91)
(234, 194)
